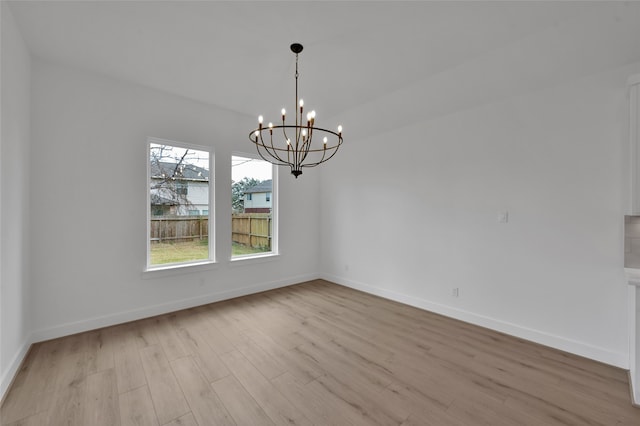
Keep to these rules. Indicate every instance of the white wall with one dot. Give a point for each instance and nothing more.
(417, 216)
(89, 136)
(14, 200)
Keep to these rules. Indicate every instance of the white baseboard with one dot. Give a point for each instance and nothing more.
(616, 359)
(9, 375)
(578, 348)
(150, 311)
(635, 391)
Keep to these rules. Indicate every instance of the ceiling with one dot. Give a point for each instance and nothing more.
(359, 58)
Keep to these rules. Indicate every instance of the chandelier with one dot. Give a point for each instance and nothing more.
(297, 145)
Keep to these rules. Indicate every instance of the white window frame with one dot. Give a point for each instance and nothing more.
(191, 265)
(275, 251)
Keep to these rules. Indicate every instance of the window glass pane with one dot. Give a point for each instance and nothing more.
(253, 206)
(179, 204)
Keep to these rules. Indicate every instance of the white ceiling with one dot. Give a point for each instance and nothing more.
(359, 57)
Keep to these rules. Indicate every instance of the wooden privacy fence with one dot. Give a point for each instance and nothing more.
(251, 229)
(179, 228)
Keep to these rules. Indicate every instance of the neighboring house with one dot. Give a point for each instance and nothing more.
(161, 206)
(257, 199)
(179, 189)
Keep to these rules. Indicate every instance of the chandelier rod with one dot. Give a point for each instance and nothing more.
(297, 48)
(296, 104)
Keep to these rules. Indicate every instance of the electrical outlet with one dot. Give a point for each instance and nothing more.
(455, 292)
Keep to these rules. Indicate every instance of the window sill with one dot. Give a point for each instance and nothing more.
(253, 258)
(178, 269)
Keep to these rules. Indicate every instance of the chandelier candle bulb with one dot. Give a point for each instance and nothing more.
(304, 151)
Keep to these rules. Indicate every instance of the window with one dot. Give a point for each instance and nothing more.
(179, 189)
(182, 188)
(253, 220)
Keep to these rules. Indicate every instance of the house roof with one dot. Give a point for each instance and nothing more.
(185, 171)
(265, 186)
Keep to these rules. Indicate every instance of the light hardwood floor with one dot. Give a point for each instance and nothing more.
(315, 353)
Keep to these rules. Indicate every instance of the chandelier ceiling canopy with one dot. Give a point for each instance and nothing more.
(297, 145)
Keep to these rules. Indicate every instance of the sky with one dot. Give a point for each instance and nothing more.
(240, 166)
(250, 167)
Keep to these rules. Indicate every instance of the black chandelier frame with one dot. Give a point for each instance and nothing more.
(298, 152)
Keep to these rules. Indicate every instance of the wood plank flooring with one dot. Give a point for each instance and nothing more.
(311, 354)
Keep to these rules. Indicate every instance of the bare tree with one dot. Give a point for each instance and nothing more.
(171, 170)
